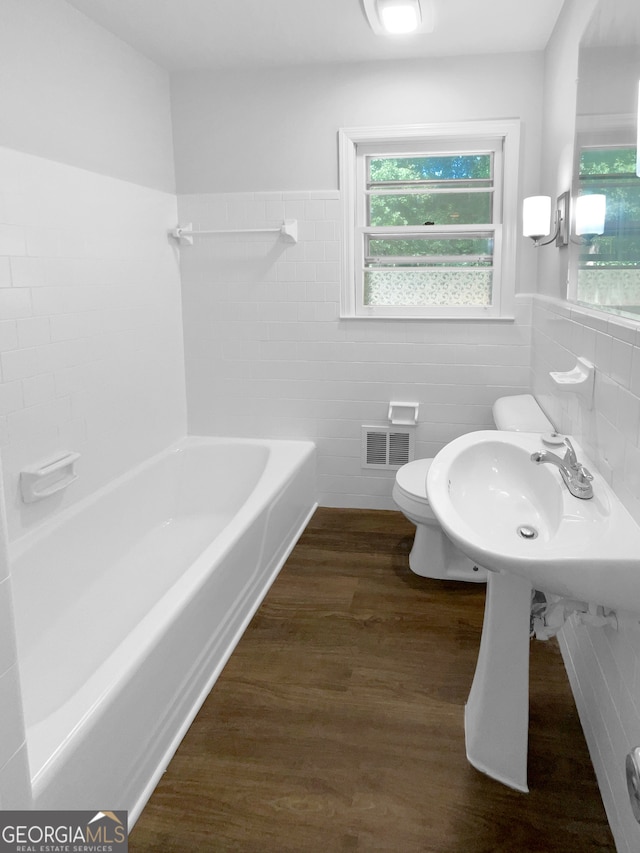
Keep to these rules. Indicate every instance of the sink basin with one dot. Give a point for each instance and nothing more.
(511, 515)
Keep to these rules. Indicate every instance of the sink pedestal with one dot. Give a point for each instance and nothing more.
(496, 716)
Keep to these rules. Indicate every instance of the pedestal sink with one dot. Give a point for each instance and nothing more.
(518, 520)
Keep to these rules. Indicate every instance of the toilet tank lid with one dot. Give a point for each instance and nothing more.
(520, 413)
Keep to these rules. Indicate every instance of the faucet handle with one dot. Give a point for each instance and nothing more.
(570, 457)
(584, 475)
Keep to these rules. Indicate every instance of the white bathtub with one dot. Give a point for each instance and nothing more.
(129, 605)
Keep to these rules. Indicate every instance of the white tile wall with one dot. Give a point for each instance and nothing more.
(90, 325)
(91, 358)
(15, 785)
(266, 353)
(603, 664)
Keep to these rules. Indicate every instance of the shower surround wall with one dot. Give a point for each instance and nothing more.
(267, 355)
(90, 336)
(90, 321)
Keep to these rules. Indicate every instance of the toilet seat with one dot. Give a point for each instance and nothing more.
(410, 488)
(412, 478)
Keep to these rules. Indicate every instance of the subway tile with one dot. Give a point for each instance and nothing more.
(40, 419)
(628, 415)
(622, 329)
(632, 470)
(327, 271)
(621, 360)
(606, 397)
(21, 363)
(603, 353)
(5, 272)
(33, 331)
(296, 195)
(38, 389)
(10, 397)
(12, 240)
(8, 335)
(65, 327)
(14, 303)
(314, 209)
(28, 272)
(42, 242)
(634, 382)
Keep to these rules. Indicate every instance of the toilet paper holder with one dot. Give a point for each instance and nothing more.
(405, 414)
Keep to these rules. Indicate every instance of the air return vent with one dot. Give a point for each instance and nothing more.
(387, 447)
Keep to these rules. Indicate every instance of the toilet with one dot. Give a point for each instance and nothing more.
(433, 555)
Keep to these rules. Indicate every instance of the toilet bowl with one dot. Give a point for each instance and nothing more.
(433, 555)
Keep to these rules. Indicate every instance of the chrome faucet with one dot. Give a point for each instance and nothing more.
(574, 475)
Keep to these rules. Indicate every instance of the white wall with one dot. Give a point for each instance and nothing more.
(276, 129)
(603, 665)
(265, 349)
(90, 316)
(73, 93)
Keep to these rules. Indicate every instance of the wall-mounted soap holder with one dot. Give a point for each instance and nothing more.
(580, 380)
(48, 477)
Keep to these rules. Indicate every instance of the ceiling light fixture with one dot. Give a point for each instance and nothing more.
(400, 17)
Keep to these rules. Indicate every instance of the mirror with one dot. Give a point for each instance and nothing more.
(604, 266)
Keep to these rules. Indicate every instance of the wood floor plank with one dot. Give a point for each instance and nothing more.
(337, 724)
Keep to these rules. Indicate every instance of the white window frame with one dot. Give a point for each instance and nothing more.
(357, 143)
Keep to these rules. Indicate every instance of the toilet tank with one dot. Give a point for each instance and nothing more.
(520, 413)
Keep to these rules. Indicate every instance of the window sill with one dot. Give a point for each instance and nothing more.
(463, 318)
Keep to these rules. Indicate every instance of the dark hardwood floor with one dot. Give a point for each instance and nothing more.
(337, 724)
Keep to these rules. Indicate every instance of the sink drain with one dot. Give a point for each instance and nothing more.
(527, 532)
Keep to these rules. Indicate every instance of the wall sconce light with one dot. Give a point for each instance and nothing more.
(399, 17)
(591, 211)
(536, 217)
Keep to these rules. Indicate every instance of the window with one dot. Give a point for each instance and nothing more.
(608, 269)
(425, 209)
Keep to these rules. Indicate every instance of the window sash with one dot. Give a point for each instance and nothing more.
(462, 138)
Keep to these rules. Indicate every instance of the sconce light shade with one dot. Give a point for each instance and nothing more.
(536, 216)
(398, 17)
(590, 214)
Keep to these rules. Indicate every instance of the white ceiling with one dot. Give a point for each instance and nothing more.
(218, 34)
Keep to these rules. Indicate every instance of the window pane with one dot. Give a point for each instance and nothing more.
(461, 251)
(441, 288)
(445, 168)
(612, 172)
(609, 271)
(430, 209)
(607, 161)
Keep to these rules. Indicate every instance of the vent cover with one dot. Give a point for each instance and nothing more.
(387, 447)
